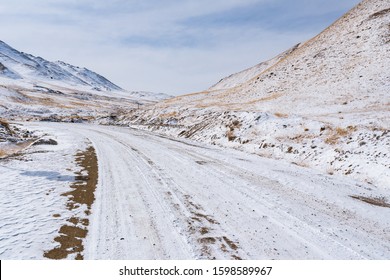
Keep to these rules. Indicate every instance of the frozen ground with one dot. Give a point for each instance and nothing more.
(162, 198)
(32, 208)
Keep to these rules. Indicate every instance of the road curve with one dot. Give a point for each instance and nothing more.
(161, 198)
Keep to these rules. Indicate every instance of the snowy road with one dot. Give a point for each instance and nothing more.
(166, 199)
(160, 198)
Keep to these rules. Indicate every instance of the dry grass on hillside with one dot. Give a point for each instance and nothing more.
(281, 115)
(338, 133)
(168, 115)
(5, 124)
(3, 153)
(230, 130)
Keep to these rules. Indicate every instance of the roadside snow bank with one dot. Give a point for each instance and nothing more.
(32, 184)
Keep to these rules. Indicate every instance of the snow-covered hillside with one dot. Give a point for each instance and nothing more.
(25, 66)
(324, 104)
(248, 74)
(343, 69)
(32, 87)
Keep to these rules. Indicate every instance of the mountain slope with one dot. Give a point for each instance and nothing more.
(324, 105)
(89, 77)
(31, 86)
(345, 68)
(248, 74)
(36, 68)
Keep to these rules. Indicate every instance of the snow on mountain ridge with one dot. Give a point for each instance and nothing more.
(247, 74)
(28, 66)
(88, 76)
(4, 71)
(9, 53)
(34, 88)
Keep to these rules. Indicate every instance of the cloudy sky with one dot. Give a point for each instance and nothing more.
(171, 46)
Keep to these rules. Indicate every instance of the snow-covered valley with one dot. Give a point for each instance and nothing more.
(289, 159)
(32, 88)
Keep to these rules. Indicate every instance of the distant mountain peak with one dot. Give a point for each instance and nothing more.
(21, 65)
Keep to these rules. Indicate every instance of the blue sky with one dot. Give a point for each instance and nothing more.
(167, 46)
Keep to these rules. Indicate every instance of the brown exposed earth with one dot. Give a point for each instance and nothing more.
(72, 234)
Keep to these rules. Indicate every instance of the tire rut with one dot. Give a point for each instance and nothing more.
(201, 228)
(280, 213)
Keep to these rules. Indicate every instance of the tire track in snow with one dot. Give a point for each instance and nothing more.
(280, 214)
(200, 225)
(146, 221)
(307, 237)
(297, 226)
(274, 211)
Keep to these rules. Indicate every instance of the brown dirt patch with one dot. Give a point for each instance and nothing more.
(281, 115)
(231, 244)
(380, 13)
(82, 193)
(196, 219)
(3, 153)
(83, 190)
(5, 124)
(207, 218)
(377, 201)
(207, 240)
(234, 257)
